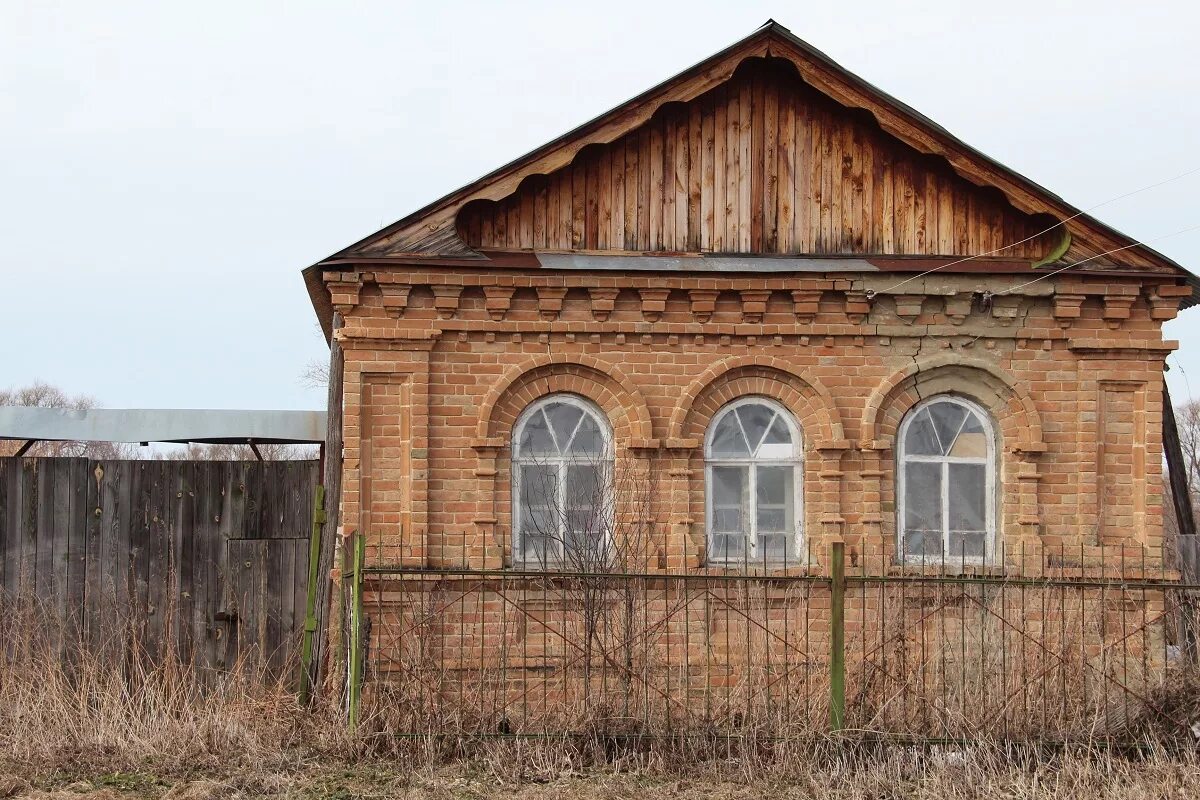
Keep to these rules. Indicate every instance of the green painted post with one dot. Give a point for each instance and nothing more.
(310, 604)
(356, 626)
(837, 638)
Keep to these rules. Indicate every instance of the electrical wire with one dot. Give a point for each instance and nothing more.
(906, 281)
(1093, 258)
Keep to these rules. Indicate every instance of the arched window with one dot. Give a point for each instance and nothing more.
(947, 482)
(753, 465)
(562, 466)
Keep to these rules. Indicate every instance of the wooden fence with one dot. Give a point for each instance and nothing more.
(210, 557)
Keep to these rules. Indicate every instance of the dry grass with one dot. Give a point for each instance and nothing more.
(112, 720)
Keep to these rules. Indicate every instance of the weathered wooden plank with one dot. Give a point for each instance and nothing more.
(720, 163)
(733, 155)
(655, 201)
(757, 171)
(707, 179)
(768, 123)
(7, 465)
(158, 566)
(695, 171)
(746, 169)
(77, 552)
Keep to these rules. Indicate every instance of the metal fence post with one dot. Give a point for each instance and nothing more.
(837, 637)
(310, 604)
(356, 628)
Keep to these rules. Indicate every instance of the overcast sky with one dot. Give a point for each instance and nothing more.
(168, 168)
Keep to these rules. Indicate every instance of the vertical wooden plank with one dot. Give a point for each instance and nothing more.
(720, 159)
(578, 203)
(919, 177)
(808, 214)
(645, 179)
(708, 191)
(785, 208)
(273, 585)
(632, 192)
(668, 183)
(831, 176)
(962, 208)
(566, 208)
(746, 166)
(655, 200)
(870, 196)
(733, 156)
(679, 184)
(80, 518)
(116, 568)
(858, 222)
(46, 581)
(59, 519)
(551, 213)
(158, 568)
(6, 469)
(27, 582)
(183, 543)
(592, 192)
(770, 162)
(93, 574)
(902, 199)
(617, 232)
(844, 159)
(945, 216)
(695, 171)
(931, 212)
(604, 200)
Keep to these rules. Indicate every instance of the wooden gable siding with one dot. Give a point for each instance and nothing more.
(761, 164)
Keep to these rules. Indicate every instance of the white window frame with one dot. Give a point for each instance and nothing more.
(796, 461)
(560, 463)
(991, 481)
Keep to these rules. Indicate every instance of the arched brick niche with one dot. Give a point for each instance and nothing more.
(598, 381)
(824, 444)
(1017, 421)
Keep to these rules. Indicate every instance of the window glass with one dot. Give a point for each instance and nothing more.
(753, 475)
(561, 475)
(947, 477)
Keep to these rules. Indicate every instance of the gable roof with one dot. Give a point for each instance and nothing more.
(429, 235)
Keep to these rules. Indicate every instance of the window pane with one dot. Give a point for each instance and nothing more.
(922, 498)
(774, 546)
(966, 546)
(536, 548)
(756, 418)
(563, 419)
(776, 496)
(539, 485)
(947, 419)
(779, 433)
(535, 436)
(726, 547)
(920, 440)
(730, 527)
(729, 485)
(588, 441)
(925, 545)
(728, 440)
(972, 442)
(968, 497)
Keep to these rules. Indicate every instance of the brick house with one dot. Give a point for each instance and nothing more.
(799, 309)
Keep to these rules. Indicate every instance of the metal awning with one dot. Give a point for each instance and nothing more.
(180, 426)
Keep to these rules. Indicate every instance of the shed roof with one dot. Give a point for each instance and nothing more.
(203, 426)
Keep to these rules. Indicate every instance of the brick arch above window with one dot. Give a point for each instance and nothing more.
(808, 400)
(603, 383)
(987, 384)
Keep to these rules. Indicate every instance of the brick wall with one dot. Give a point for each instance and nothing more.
(440, 362)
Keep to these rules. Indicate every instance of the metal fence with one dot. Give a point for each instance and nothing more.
(1045, 645)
